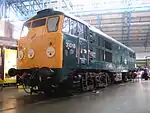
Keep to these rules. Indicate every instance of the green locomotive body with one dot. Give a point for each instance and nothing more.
(90, 59)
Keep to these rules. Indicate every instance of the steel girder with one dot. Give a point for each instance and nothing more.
(3, 7)
(22, 9)
(113, 10)
(25, 8)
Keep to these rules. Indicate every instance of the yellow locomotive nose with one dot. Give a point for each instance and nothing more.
(42, 48)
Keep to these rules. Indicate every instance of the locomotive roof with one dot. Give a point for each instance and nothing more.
(94, 29)
(110, 38)
(50, 12)
(45, 13)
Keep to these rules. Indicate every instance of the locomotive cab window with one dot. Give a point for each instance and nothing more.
(25, 29)
(52, 24)
(38, 23)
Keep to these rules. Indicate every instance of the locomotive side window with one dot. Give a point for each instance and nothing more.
(81, 30)
(102, 42)
(102, 55)
(38, 23)
(130, 54)
(73, 27)
(99, 54)
(121, 59)
(66, 25)
(53, 24)
(85, 31)
(92, 37)
(92, 53)
(98, 40)
(108, 56)
(108, 45)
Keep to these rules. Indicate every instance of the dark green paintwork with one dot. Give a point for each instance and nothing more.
(70, 61)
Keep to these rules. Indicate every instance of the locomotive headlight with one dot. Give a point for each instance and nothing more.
(50, 51)
(30, 53)
(20, 54)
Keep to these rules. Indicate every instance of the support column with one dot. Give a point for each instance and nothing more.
(126, 22)
(99, 21)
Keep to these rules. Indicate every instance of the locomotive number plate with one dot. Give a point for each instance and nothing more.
(70, 45)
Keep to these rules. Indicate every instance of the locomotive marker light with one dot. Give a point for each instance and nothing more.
(50, 51)
(30, 53)
(20, 54)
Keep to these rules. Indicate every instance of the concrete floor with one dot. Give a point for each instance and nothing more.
(123, 98)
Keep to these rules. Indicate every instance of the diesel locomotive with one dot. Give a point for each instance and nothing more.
(58, 51)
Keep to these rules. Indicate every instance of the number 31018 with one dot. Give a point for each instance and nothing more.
(70, 45)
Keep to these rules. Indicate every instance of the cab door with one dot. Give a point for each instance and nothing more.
(83, 52)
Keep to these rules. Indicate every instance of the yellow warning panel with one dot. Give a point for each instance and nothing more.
(1, 81)
(10, 61)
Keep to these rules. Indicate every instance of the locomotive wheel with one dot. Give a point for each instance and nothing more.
(27, 89)
(77, 82)
(83, 83)
(108, 79)
(87, 82)
(105, 79)
(90, 83)
(26, 85)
